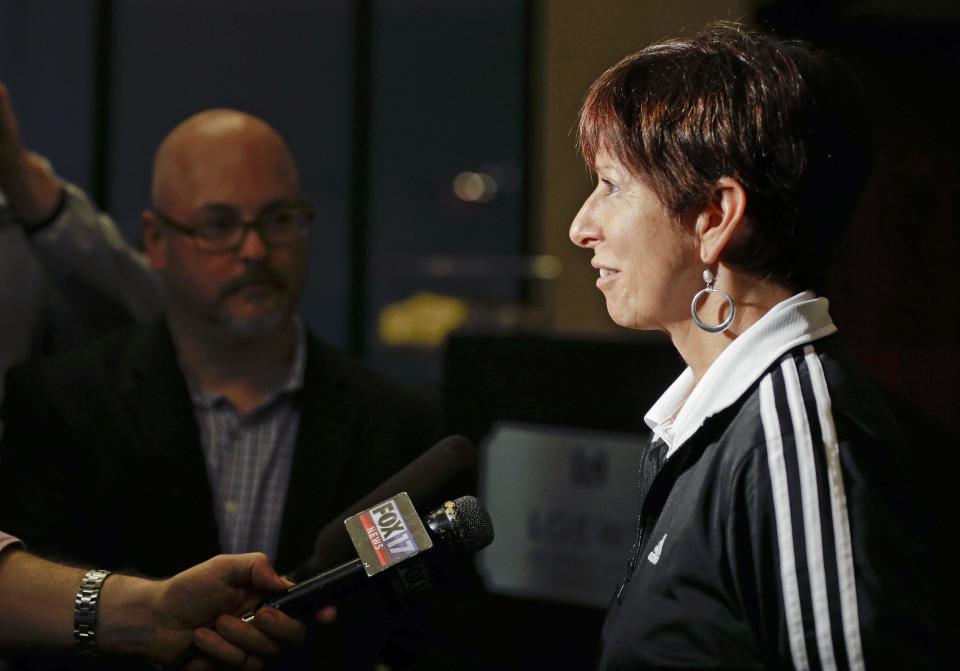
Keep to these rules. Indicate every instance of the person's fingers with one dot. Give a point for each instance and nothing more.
(264, 577)
(246, 636)
(279, 626)
(211, 643)
(238, 569)
(326, 615)
(252, 569)
(9, 134)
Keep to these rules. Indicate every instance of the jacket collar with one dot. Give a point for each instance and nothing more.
(155, 392)
(154, 395)
(684, 406)
(328, 440)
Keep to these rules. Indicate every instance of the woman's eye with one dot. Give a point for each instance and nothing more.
(608, 185)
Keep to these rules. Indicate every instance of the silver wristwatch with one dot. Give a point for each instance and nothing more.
(85, 612)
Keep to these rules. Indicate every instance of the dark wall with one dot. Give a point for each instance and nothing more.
(893, 286)
(449, 96)
(47, 53)
(382, 103)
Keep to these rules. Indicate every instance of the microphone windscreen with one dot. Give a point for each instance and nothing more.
(462, 525)
(434, 476)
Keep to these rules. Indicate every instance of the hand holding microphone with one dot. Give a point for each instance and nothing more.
(392, 544)
(200, 594)
(405, 561)
(389, 539)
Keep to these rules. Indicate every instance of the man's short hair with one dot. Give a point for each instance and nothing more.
(782, 118)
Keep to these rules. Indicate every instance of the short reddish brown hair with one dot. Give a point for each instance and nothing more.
(782, 118)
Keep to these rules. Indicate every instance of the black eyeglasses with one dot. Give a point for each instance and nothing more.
(221, 229)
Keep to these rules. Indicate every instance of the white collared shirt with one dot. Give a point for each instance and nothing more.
(685, 406)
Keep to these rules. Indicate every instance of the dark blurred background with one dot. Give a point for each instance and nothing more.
(435, 140)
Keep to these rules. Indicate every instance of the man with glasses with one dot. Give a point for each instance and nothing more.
(224, 427)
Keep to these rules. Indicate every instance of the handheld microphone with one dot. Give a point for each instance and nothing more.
(389, 539)
(437, 475)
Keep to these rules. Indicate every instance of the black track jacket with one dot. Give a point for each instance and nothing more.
(777, 535)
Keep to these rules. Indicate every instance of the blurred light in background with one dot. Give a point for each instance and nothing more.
(475, 187)
(424, 320)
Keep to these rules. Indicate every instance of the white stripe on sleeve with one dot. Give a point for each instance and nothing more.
(810, 505)
(838, 502)
(781, 507)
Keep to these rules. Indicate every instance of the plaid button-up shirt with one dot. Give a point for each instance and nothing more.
(249, 459)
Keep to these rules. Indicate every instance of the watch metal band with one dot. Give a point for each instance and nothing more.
(85, 611)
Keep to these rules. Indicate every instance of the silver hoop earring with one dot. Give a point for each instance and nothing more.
(725, 324)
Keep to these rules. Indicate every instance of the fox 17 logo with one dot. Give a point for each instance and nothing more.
(388, 533)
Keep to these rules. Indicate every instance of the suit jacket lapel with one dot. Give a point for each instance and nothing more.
(325, 445)
(156, 397)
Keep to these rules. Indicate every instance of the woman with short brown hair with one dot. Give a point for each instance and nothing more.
(769, 530)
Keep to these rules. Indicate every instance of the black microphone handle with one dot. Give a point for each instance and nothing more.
(309, 595)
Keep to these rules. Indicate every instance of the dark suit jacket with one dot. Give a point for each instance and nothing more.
(101, 461)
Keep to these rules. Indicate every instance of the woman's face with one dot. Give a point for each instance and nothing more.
(648, 266)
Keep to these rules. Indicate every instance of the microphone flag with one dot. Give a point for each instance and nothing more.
(387, 533)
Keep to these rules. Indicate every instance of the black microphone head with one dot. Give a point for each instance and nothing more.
(462, 525)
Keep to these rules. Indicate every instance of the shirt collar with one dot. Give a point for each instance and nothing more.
(685, 406)
(293, 382)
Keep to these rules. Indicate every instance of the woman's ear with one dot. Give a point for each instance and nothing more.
(719, 221)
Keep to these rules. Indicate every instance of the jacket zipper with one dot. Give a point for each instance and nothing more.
(635, 556)
(681, 457)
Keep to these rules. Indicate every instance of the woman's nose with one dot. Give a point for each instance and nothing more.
(583, 230)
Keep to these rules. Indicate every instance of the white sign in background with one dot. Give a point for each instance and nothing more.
(564, 506)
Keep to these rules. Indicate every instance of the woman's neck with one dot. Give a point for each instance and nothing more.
(753, 299)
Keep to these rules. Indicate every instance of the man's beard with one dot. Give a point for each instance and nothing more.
(266, 320)
(263, 324)
(252, 328)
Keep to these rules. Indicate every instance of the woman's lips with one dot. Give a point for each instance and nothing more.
(607, 275)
